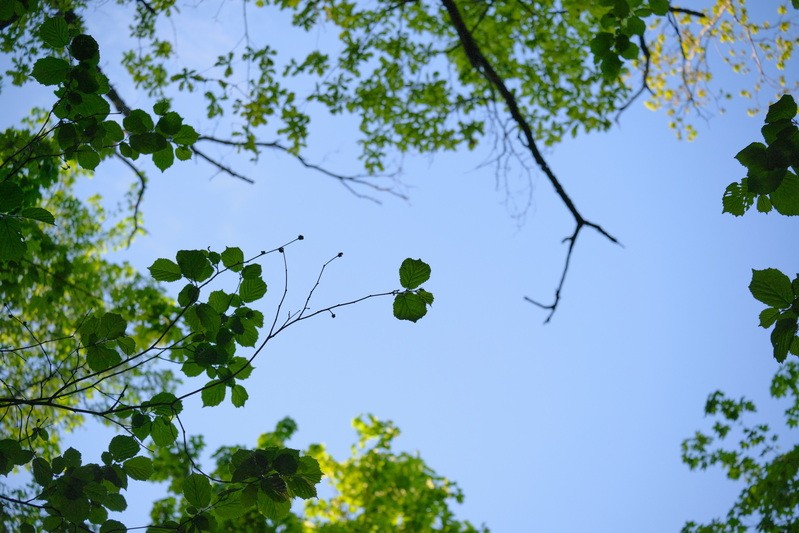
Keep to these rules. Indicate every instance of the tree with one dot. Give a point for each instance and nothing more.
(422, 77)
(376, 489)
(770, 500)
(76, 355)
(437, 76)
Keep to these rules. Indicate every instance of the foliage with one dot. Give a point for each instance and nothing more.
(770, 500)
(85, 337)
(772, 180)
(419, 77)
(375, 489)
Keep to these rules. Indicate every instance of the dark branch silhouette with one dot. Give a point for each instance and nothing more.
(346, 180)
(482, 65)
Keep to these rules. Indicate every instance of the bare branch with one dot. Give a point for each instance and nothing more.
(482, 65)
(348, 181)
(684, 11)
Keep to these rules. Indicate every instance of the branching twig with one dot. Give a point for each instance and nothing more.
(482, 65)
(346, 180)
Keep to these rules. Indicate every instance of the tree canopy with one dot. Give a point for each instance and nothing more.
(83, 336)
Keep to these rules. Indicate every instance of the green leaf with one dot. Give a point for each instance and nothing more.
(38, 213)
(786, 197)
(238, 395)
(219, 300)
(274, 510)
(163, 431)
(197, 490)
(188, 295)
(409, 306)
(186, 135)
(111, 326)
(782, 337)
(194, 265)
(427, 297)
(87, 158)
(301, 487)
(165, 270)
(241, 367)
(139, 468)
(214, 394)
(183, 153)
(12, 247)
(161, 107)
(11, 196)
(753, 156)
(771, 287)
(251, 272)
(736, 199)
(42, 472)
(138, 121)
(101, 358)
(634, 26)
(763, 203)
(247, 336)
(115, 502)
(209, 318)
(164, 158)
(170, 123)
(233, 258)
(148, 142)
(123, 447)
(413, 272)
(252, 289)
(50, 70)
(72, 457)
(84, 48)
(54, 32)
(659, 7)
(783, 109)
(768, 316)
(165, 404)
(229, 505)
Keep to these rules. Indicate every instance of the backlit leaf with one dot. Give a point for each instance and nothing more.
(165, 270)
(214, 394)
(50, 70)
(409, 306)
(771, 287)
(197, 490)
(413, 272)
(38, 213)
(54, 32)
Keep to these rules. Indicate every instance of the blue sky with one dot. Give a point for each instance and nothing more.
(571, 426)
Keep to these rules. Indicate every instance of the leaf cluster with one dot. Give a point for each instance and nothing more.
(772, 168)
(620, 22)
(411, 304)
(751, 453)
(776, 290)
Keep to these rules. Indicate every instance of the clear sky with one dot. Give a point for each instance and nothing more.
(571, 426)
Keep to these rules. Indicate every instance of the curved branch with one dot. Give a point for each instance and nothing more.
(348, 181)
(482, 65)
(644, 78)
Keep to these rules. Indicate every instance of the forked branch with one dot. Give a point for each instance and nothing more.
(480, 63)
